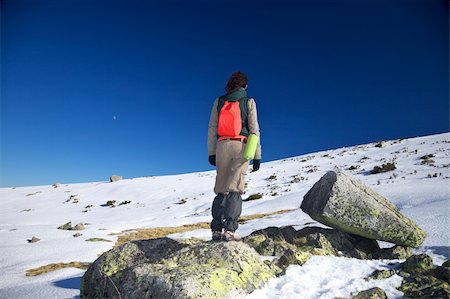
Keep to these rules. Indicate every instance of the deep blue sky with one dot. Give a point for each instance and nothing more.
(325, 74)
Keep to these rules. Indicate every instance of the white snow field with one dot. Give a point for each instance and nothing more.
(419, 188)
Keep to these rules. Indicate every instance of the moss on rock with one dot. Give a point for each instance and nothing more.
(293, 257)
(165, 268)
(374, 293)
(395, 252)
(381, 274)
(334, 242)
(418, 264)
(422, 279)
(423, 286)
(345, 203)
(271, 241)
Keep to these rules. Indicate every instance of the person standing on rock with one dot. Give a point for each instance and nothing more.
(233, 118)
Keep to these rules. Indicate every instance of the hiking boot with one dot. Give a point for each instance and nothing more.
(217, 235)
(231, 236)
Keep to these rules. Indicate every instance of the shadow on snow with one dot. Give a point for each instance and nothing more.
(68, 283)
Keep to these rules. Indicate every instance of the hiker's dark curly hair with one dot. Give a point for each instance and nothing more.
(237, 79)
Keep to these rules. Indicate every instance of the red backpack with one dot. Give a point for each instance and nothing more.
(230, 121)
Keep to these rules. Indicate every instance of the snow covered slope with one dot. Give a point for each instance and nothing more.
(419, 186)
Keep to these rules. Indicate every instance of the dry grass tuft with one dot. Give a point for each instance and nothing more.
(156, 232)
(160, 232)
(244, 219)
(56, 266)
(97, 240)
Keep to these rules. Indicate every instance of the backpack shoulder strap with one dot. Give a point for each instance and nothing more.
(220, 103)
(244, 105)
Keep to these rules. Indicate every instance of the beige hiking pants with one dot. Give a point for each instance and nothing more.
(231, 167)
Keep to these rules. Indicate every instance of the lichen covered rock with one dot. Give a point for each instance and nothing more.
(421, 279)
(274, 241)
(374, 293)
(79, 226)
(293, 257)
(424, 286)
(381, 274)
(66, 226)
(165, 268)
(334, 242)
(345, 203)
(418, 264)
(394, 253)
(271, 241)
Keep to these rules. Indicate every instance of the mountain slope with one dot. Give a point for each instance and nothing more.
(419, 187)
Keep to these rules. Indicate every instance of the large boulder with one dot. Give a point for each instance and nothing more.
(166, 268)
(345, 203)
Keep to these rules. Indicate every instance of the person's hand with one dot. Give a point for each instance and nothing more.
(256, 164)
(212, 160)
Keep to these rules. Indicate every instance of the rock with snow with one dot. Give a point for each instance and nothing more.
(66, 226)
(381, 274)
(115, 178)
(424, 286)
(394, 253)
(39, 210)
(327, 241)
(33, 240)
(166, 268)
(276, 241)
(374, 293)
(292, 257)
(418, 264)
(422, 279)
(271, 241)
(79, 226)
(345, 203)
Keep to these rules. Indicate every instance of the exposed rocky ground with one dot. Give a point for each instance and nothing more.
(189, 268)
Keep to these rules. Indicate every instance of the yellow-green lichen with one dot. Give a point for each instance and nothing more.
(375, 213)
(303, 256)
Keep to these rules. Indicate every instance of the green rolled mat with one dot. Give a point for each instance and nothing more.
(250, 147)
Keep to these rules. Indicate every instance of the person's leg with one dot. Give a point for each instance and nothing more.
(231, 171)
(236, 186)
(237, 168)
(223, 160)
(220, 188)
(218, 213)
(232, 211)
